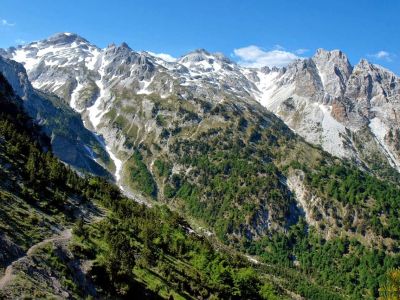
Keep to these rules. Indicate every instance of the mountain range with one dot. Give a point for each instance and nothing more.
(297, 166)
(350, 111)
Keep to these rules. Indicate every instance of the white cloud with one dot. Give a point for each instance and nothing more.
(253, 56)
(382, 55)
(20, 41)
(163, 56)
(301, 51)
(279, 47)
(4, 22)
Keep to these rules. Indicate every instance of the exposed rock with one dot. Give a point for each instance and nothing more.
(9, 251)
(71, 145)
(339, 111)
(330, 101)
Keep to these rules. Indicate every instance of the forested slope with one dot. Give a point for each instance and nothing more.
(135, 250)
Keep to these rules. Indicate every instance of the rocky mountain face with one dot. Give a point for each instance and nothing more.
(70, 140)
(156, 119)
(201, 135)
(350, 111)
(89, 79)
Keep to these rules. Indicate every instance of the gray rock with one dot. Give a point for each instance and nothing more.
(331, 102)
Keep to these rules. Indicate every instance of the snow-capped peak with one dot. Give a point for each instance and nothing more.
(201, 55)
(65, 38)
(321, 97)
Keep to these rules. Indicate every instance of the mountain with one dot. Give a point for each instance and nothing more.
(87, 78)
(39, 199)
(201, 135)
(350, 111)
(159, 119)
(71, 141)
(53, 222)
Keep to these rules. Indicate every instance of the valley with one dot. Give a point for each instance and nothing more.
(190, 167)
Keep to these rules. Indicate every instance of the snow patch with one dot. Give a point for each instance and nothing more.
(144, 87)
(21, 56)
(164, 56)
(75, 97)
(98, 109)
(321, 76)
(118, 165)
(90, 61)
(270, 95)
(44, 51)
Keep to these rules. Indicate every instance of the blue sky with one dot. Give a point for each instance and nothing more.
(251, 32)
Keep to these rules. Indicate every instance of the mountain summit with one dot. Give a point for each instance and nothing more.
(323, 98)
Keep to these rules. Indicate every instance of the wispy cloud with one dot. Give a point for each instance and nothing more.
(383, 55)
(301, 51)
(278, 47)
(20, 41)
(163, 56)
(254, 56)
(4, 22)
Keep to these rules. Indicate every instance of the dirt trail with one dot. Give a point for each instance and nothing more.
(8, 274)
